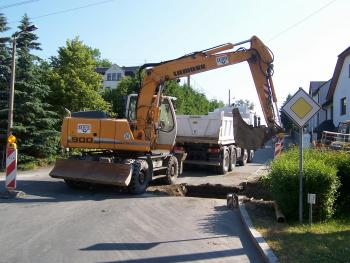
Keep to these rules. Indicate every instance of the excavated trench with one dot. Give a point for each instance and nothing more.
(252, 189)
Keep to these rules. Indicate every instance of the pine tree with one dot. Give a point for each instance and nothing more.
(5, 61)
(34, 122)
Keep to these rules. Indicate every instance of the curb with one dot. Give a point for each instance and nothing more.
(257, 238)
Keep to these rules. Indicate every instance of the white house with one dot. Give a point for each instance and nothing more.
(338, 96)
(318, 90)
(113, 75)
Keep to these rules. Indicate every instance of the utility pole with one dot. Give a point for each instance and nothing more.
(188, 81)
(12, 87)
(13, 77)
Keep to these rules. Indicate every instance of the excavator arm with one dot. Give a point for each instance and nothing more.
(260, 61)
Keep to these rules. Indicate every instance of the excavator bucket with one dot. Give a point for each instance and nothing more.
(92, 172)
(247, 136)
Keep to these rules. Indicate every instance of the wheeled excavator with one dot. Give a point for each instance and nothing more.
(130, 152)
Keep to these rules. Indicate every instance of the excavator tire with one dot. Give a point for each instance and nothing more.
(140, 179)
(172, 171)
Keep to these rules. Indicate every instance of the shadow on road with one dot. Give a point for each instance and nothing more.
(58, 191)
(140, 246)
(187, 257)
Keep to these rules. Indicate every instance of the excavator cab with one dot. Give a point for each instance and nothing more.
(166, 127)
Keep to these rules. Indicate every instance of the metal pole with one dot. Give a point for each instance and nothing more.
(229, 97)
(310, 214)
(188, 80)
(301, 176)
(12, 88)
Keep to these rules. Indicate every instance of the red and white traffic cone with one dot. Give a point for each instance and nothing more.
(279, 145)
(11, 163)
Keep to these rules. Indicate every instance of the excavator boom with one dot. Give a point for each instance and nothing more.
(260, 61)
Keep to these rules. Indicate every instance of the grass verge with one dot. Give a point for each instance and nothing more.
(35, 164)
(321, 242)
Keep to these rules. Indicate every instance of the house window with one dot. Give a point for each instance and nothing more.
(119, 76)
(109, 76)
(343, 106)
(114, 76)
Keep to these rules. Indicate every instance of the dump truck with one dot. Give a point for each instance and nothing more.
(209, 139)
(131, 152)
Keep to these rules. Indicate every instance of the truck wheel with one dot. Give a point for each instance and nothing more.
(233, 159)
(172, 170)
(250, 156)
(224, 162)
(141, 177)
(244, 158)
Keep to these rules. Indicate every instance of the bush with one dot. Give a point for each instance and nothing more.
(318, 178)
(341, 160)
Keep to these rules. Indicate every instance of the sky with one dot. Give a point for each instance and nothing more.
(305, 36)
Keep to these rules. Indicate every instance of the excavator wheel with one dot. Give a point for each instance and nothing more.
(172, 171)
(140, 179)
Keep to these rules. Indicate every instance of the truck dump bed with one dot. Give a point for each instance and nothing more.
(216, 127)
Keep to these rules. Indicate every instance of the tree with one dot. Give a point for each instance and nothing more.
(74, 82)
(214, 104)
(190, 101)
(100, 62)
(240, 102)
(34, 121)
(5, 60)
(117, 97)
(287, 123)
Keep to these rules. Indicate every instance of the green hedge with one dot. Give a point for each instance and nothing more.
(320, 178)
(341, 160)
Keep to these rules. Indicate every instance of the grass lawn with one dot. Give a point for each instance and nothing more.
(322, 242)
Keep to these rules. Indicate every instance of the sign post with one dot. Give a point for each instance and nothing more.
(301, 108)
(311, 199)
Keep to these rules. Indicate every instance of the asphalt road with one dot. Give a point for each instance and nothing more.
(53, 223)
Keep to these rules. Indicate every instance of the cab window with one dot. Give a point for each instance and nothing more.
(166, 119)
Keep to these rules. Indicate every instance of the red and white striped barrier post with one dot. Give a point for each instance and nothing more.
(279, 147)
(11, 163)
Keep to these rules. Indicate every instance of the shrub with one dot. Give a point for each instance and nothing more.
(341, 160)
(318, 178)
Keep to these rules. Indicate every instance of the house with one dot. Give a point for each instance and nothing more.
(112, 75)
(338, 96)
(318, 90)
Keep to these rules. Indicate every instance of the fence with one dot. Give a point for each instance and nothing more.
(335, 141)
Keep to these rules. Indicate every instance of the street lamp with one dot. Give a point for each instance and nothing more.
(13, 74)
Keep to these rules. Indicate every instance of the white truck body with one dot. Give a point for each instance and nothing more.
(209, 139)
(216, 127)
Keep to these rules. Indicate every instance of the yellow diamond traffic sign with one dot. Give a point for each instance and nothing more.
(301, 107)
